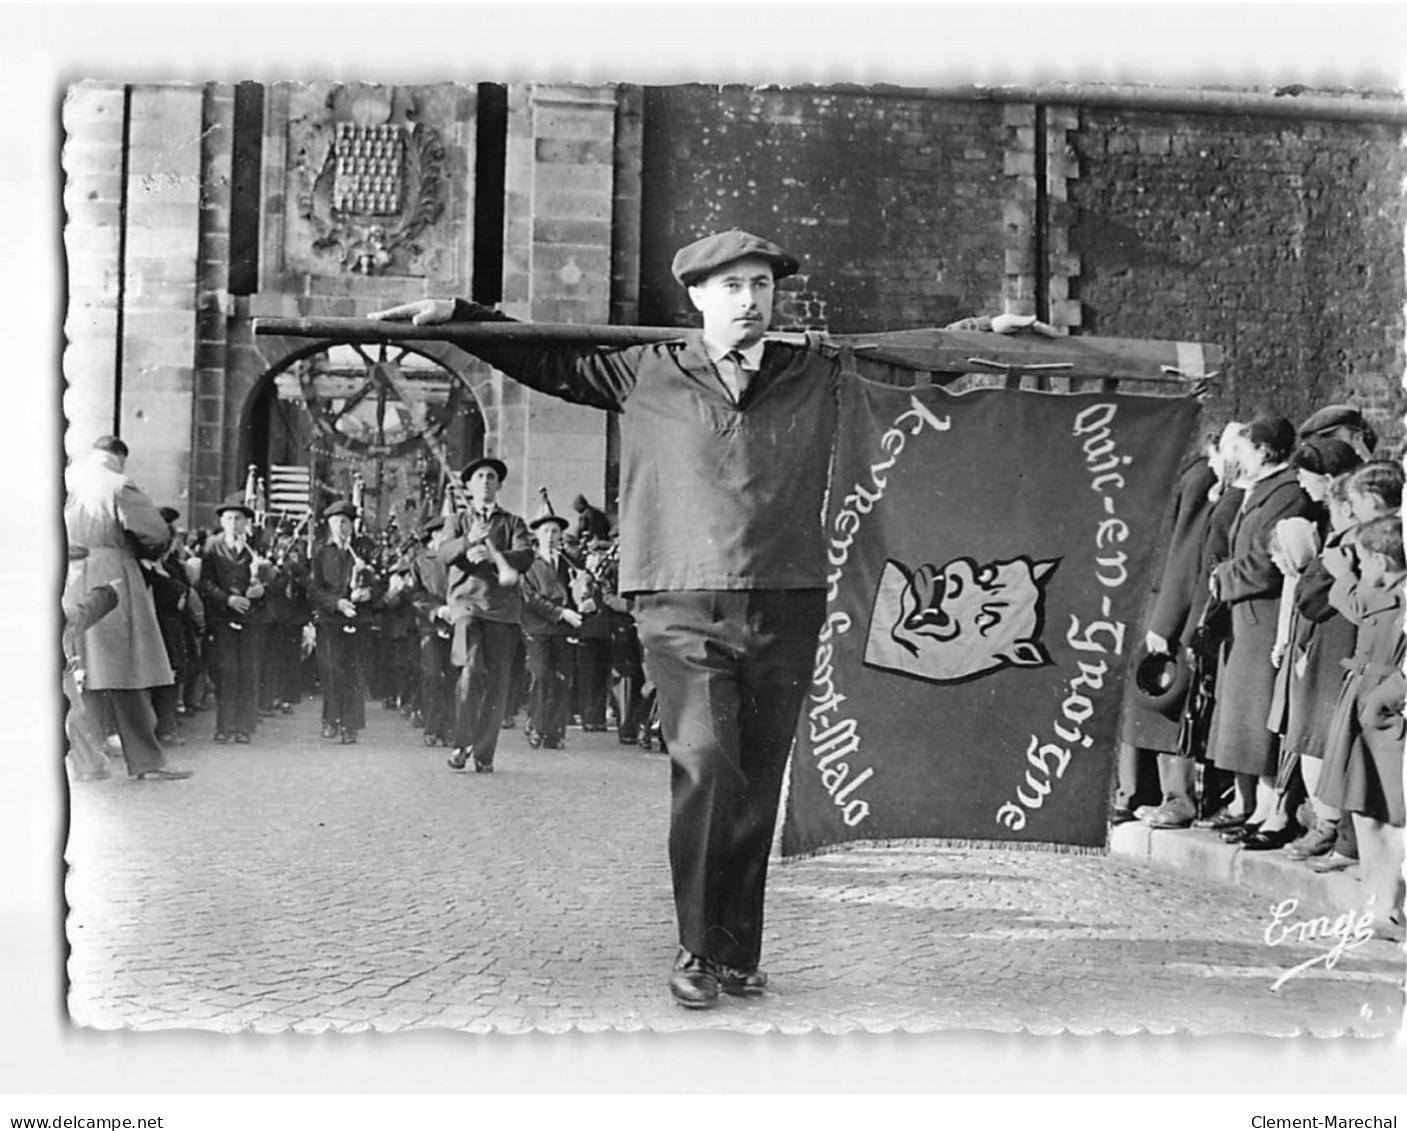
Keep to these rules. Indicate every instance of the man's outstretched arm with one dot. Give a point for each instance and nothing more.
(593, 376)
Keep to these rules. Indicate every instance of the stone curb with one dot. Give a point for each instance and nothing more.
(1272, 874)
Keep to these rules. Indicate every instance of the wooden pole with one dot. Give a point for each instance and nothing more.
(924, 351)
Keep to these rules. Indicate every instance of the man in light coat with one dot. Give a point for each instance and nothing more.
(123, 655)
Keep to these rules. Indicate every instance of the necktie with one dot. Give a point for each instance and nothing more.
(735, 367)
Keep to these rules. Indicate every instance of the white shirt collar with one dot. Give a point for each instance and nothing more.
(752, 355)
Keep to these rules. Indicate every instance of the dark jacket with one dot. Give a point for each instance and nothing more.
(473, 587)
(429, 590)
(224, 573)
(334, 572)
(714, 495)
(1182, 587)
(546, 593)
(1250, 583)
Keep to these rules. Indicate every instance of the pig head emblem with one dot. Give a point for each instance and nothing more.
(959, 621)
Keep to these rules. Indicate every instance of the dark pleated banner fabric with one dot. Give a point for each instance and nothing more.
(989, 554)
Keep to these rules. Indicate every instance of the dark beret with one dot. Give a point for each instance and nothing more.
(169, 514)
(1323, 455)
(341, 506)
(1332, 416)
(487, 461)
(702, 257)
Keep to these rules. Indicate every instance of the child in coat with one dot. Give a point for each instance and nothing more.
(1362, 771)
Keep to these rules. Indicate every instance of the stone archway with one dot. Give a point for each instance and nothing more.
(384, 414)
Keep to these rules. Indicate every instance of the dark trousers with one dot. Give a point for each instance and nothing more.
(549, 668)
(340, 673)
(278, 673)
(1136, 777)
(593, 677)
(437, 685)
(163, 701)
(480, 695)
(732, 669)
(237, 656)
(628, 680)
(132, 711)
(408, 672)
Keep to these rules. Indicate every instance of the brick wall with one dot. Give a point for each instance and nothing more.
(1282, 242)
(895, 205)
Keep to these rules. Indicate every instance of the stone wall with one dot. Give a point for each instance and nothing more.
(560, 199)
(133, 373)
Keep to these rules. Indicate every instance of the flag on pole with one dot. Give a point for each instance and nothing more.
(290, 489)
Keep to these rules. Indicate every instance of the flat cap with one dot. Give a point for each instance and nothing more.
(341, 506)
(702, 257)
(1332, 416)
(169, 514)
(487, 461)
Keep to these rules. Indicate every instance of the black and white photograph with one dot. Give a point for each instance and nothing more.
(895, 554)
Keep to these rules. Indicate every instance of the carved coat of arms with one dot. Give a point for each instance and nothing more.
(373, 180)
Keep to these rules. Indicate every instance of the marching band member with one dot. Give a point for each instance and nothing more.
(230, 585)
(344, 590)
(549, 620)
(429, 595)
(485, 551)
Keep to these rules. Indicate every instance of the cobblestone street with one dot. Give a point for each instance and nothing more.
(295, 883)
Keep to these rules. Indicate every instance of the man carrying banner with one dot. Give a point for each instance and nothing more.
(725, 445)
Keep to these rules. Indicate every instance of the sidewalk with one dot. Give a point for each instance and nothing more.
(1274, 875)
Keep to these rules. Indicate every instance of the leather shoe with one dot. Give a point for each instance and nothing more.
(1121, 815)
(1169, 817)
(1334, 862)
(241, 738)
(693, 982)
(222, 738)
(458, 759)
(1236, 834)
(163, 775)
(1224, 819)
(349, 738)
(1266, 841)
(483, 767)
(329, 732)
(1319, 841)
(740, 983)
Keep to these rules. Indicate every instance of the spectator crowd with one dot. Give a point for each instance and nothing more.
(1266, 704)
